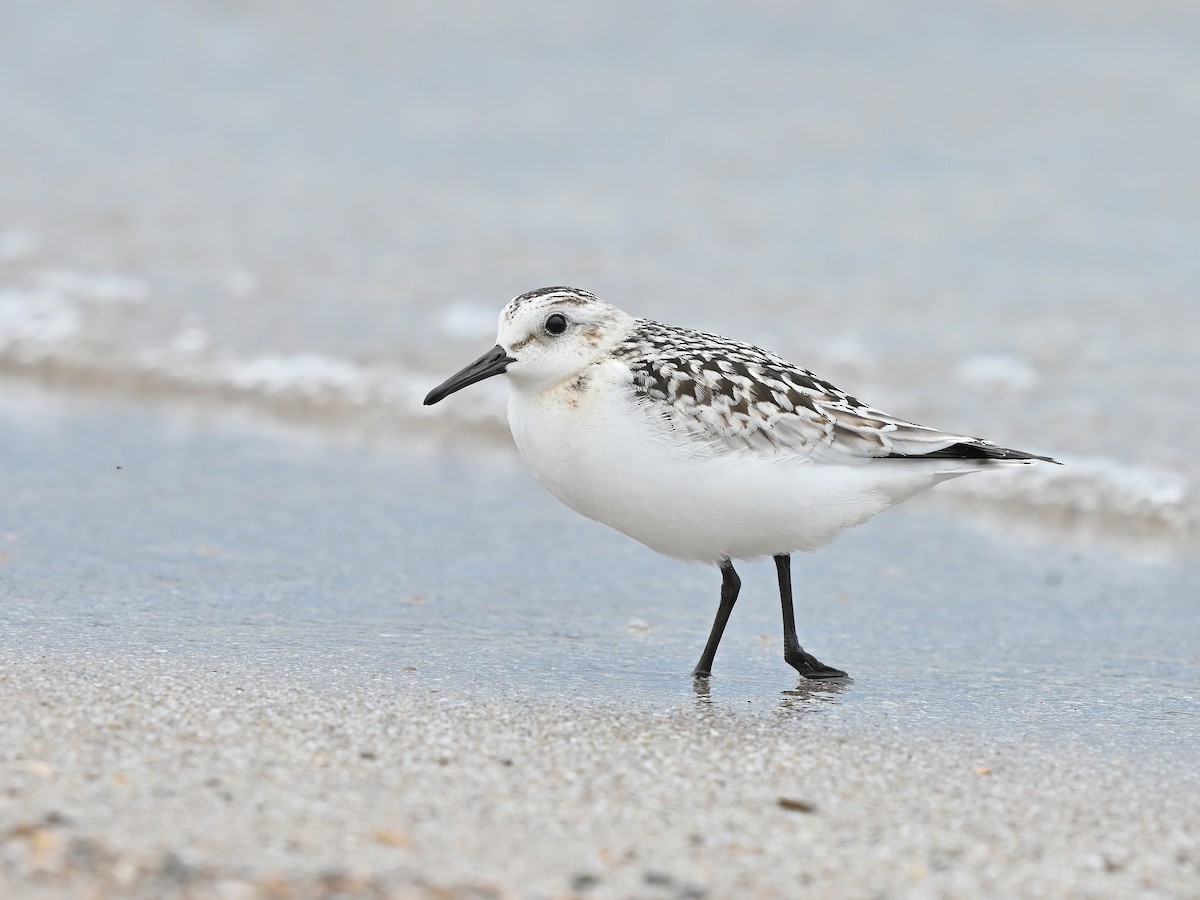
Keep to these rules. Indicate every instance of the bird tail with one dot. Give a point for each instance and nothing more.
(974, 450)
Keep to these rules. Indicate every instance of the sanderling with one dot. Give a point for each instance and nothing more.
(702, 447)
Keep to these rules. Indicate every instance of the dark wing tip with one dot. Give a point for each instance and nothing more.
(967, 450)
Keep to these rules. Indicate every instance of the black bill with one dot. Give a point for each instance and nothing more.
(491, 363)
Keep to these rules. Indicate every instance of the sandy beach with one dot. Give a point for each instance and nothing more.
(144, 777)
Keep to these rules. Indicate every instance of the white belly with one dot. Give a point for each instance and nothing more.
(608, 460)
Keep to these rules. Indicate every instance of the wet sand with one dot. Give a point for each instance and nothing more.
(248, 662)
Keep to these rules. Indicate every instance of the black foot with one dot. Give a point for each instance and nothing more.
(811, 667)
(698, 673)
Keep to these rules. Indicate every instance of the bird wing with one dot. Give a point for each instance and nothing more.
(731, 397)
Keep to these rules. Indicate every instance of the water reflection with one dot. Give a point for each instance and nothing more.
(808, 694)
(739, 698)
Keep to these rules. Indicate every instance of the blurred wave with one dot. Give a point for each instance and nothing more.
(54, 332)
(45, 334)
(979, 216)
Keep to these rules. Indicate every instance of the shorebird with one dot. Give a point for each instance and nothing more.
(704, 448)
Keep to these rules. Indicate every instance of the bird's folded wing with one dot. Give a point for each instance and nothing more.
(745, 400)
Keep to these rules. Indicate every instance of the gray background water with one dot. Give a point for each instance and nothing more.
(979, 215)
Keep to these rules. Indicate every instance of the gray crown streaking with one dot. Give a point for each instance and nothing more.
(560, 294)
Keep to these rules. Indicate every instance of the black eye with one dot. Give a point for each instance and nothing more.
(556, 324)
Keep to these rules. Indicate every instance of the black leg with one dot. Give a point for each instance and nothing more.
(793, 654)
(730, 585)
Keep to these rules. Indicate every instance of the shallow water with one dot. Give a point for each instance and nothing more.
(142, 532)
(980, 216)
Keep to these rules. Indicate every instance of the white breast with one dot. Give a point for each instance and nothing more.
(611, 460)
